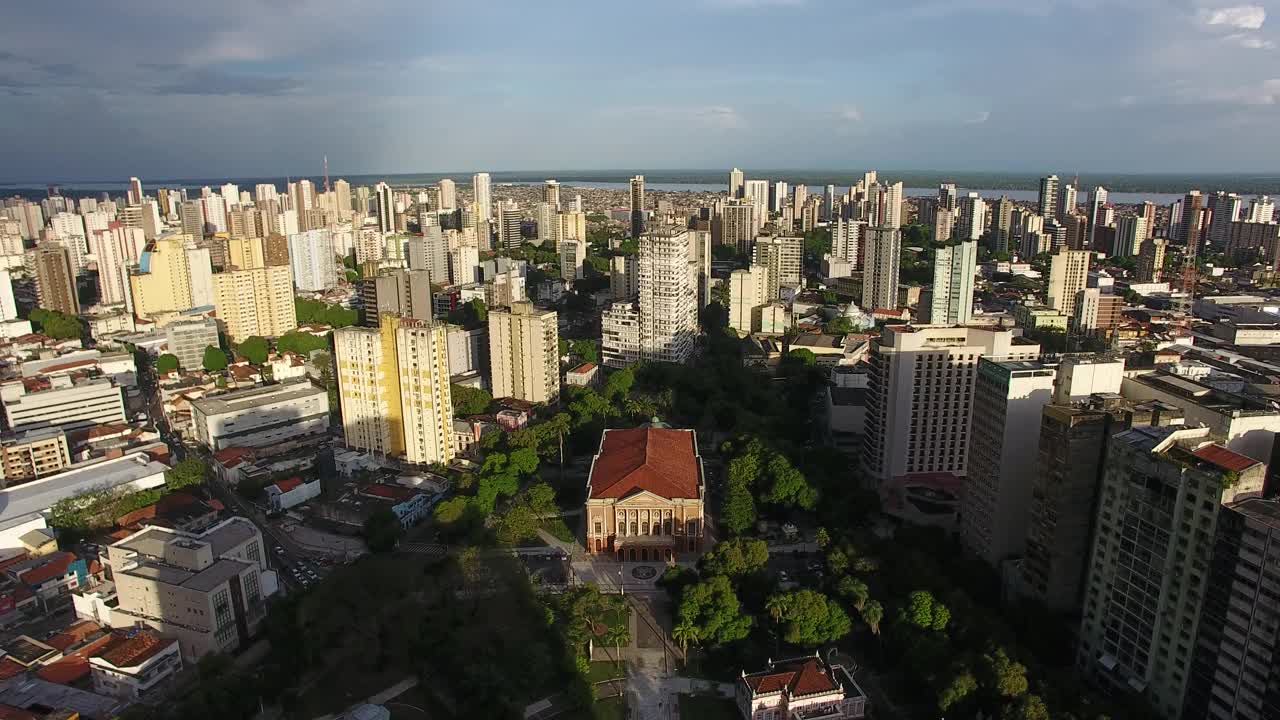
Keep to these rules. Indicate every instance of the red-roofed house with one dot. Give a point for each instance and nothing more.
(584, 375)
(645, 494)
(803, 687)
(293, 491)
(52, 575)
(136, 665)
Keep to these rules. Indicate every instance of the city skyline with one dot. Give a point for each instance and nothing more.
(241, 89)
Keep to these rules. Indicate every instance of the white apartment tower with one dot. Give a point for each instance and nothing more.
(748, 290)
(954, 267)
(1068, 275)
(311, 255)
(880, 273)
(665, 315)
(524, 353)
(783, 258)
(480, 187)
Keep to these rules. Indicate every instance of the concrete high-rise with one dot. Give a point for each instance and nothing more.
(920, 396)
(880, 271)
(192, 213)
(1131, 232)
(386, 208)
(1226, 209)
(448, 194)
(56, 279)
(1097, 205)
(162, 282)
(1151, 260)
(1068, 275)
(973, 217)
(311, 255)
(783, 260)
(1067, 201)
(1189, 220)
(524, 353)
(1002, 225)
(1048, 202)
(115, 249)
(664, 317)
(757, 193)
(739, 226)
(573, 258)
(954, 267)
(748, 290)
(551, 193)
(736, 183)
(257, 301)
(947, 196)
(509, 225)
(1008, 398)
(1262, 210)
(134, 196)
(1162, 494)
(847, 238)
(637, 206)
(483, 202)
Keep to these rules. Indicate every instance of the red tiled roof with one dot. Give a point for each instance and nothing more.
(73, 635)
(101, 431)
(10, 669)
(69, 365)
(65, 671)
(138, 649)
(1226, 459)
(57, 566)
(216, 505)
(657, 460)
(9, 712)
(390, 492)
(585, 367)
(232, 456)
(806, 679)
(288, 484)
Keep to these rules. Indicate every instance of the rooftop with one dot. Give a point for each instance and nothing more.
(25, 502)
(37, 693)
(242, 400)
(661, 461)
(800, 677)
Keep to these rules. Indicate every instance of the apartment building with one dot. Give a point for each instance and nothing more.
(1162, 493)
(783, 259)
(188, 339)
(524, 353)
(265, 416)
(208, 590)
(257, 301)
(920, 396)
(32, 455)
(665, 314)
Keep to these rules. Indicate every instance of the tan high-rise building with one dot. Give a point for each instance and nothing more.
(245, 254)
(56, 279)
(275, 250)
(255, 302)
(1151, 260)
(524, 353)
(783, 258)
(163, 281)
(1068, 274)
(394, 384)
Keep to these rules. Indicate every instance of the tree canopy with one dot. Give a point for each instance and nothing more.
(166, 363)
(713, 608)
(315, 311)
(812, 618)
(382, 530)
(56, 325)
(255, 349)
(734, 557)
(302, 343)
(215, 359)
(469, 401)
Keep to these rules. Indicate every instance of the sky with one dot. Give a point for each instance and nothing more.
(93, 90)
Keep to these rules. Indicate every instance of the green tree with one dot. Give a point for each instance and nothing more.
(960, 686)
(1028, 707)
(382, 530)
(469, 401)
(713, 608)
(166, 363)
(838, 326)
(301, 343)
(738, 513)
(873, 614)
(1006, 677)
(801, 357)
(617, 636)
(813, 619)
(254, 349)
(789, 487)
(684, 633)
(56, 325)
(735, 557)
(187, 473)
(854, 590)
(215, 360)
(585, 350)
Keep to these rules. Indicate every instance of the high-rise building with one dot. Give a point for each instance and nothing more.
(829, 203)
(920, 394)
(1049, 197)
(386, 204)
(665, 315)
(135, 191)
(509, 225)
(1189, 220)
(624, 277)
(1148, 213)
(947, 197)
(448, 194)
(573, 226)
(1162, 494)
(393, 381)
(1235, 671)
(1151, 260)
(524, 353)
(739, 226)
(637, 206)
(1097, 204)
(847, 238)
(1131, 232)
(1097, 313)
(783, 260)
(1067, 201)
(480, 188)
(573, 258)
(757, 193)
(56, 279)
(1002, 225)
(748, 290)
(193, 218)
(880, 271)
(431, 253)
(275, 249)
(973, 217)
(162, 282)
(311, 256)
(115, 248)
(1068, 275)
(737, 185)
(1262, 210)
(257, 301)
(1008, 397)
(548, 225)
(8, 305)
(1226, 209)
(954, 267)
(551, 194)
(342, 198)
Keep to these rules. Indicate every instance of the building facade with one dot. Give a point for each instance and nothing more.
(524, 353)
(265, 416)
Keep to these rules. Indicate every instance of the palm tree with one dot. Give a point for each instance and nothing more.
(617, 635)
(872, 614)
(685, 633)
(778, 605)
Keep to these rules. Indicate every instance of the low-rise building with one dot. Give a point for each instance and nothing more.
(136, 665)
(33, 455)
(261, 416)
(585, 375)
(284, 494)
(61, 402)
(805, 688)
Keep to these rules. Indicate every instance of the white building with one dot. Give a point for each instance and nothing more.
(311, 254)
(8, 306)
(920, 396)
(782, 258)
(524, 353)
(954, 267)
(1068, 275)
(880, 276)
(665, 314)
(65, 404)
(747, 292)
(261, 416)
(284, 494)
(1008, 399)
(135, 665)
(573, 256)
(188, 339)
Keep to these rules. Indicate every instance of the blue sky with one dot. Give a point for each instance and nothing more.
(100, 90)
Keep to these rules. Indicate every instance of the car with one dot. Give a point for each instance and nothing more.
(782, 576)
(814, 566)
(279, 550)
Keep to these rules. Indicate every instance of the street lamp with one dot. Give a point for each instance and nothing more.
(622, 589)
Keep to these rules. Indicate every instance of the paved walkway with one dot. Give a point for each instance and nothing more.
(390, 693)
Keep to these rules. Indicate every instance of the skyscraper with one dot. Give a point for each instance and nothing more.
(757, 193)
(847, 238)
(193, 218)
(747, 291)
(1189, 219)
(783, 260)
(663, 322)
(947, 196)
(311, 256)
(738, 226)
(551, 194)
(1262, 210)
(637, 206)
(954, 266)
(829, 203)
(115, 248)
(1049, 197)
(573, 256)
(448, 194)
(56, 279)
(255, 301)
(1002, 225)
(880, 271)
(1131, 232)
(483, 202)
(1097, 202)
(8, 305)
(524, 353)
(509, 224)
(1067, 200)
(386, 208)
(736, 184)
(135, 191)
(1161, 498)
(1151, 260)
(1068, 275)
(973, 217)
(1226, 209)
(1149, 214)
(162, 282)
(1008, 398)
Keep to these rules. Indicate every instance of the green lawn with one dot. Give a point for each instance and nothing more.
(558, 529)
(605, 671)
(707, 707)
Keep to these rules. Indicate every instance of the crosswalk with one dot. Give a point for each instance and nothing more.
(425, 548)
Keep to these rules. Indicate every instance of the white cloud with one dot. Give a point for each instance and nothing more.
(718, 117)
(1251, 41)
(978, 118)
(721, 116)
(1245, 17)
(852, 114)
(1266, 92)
